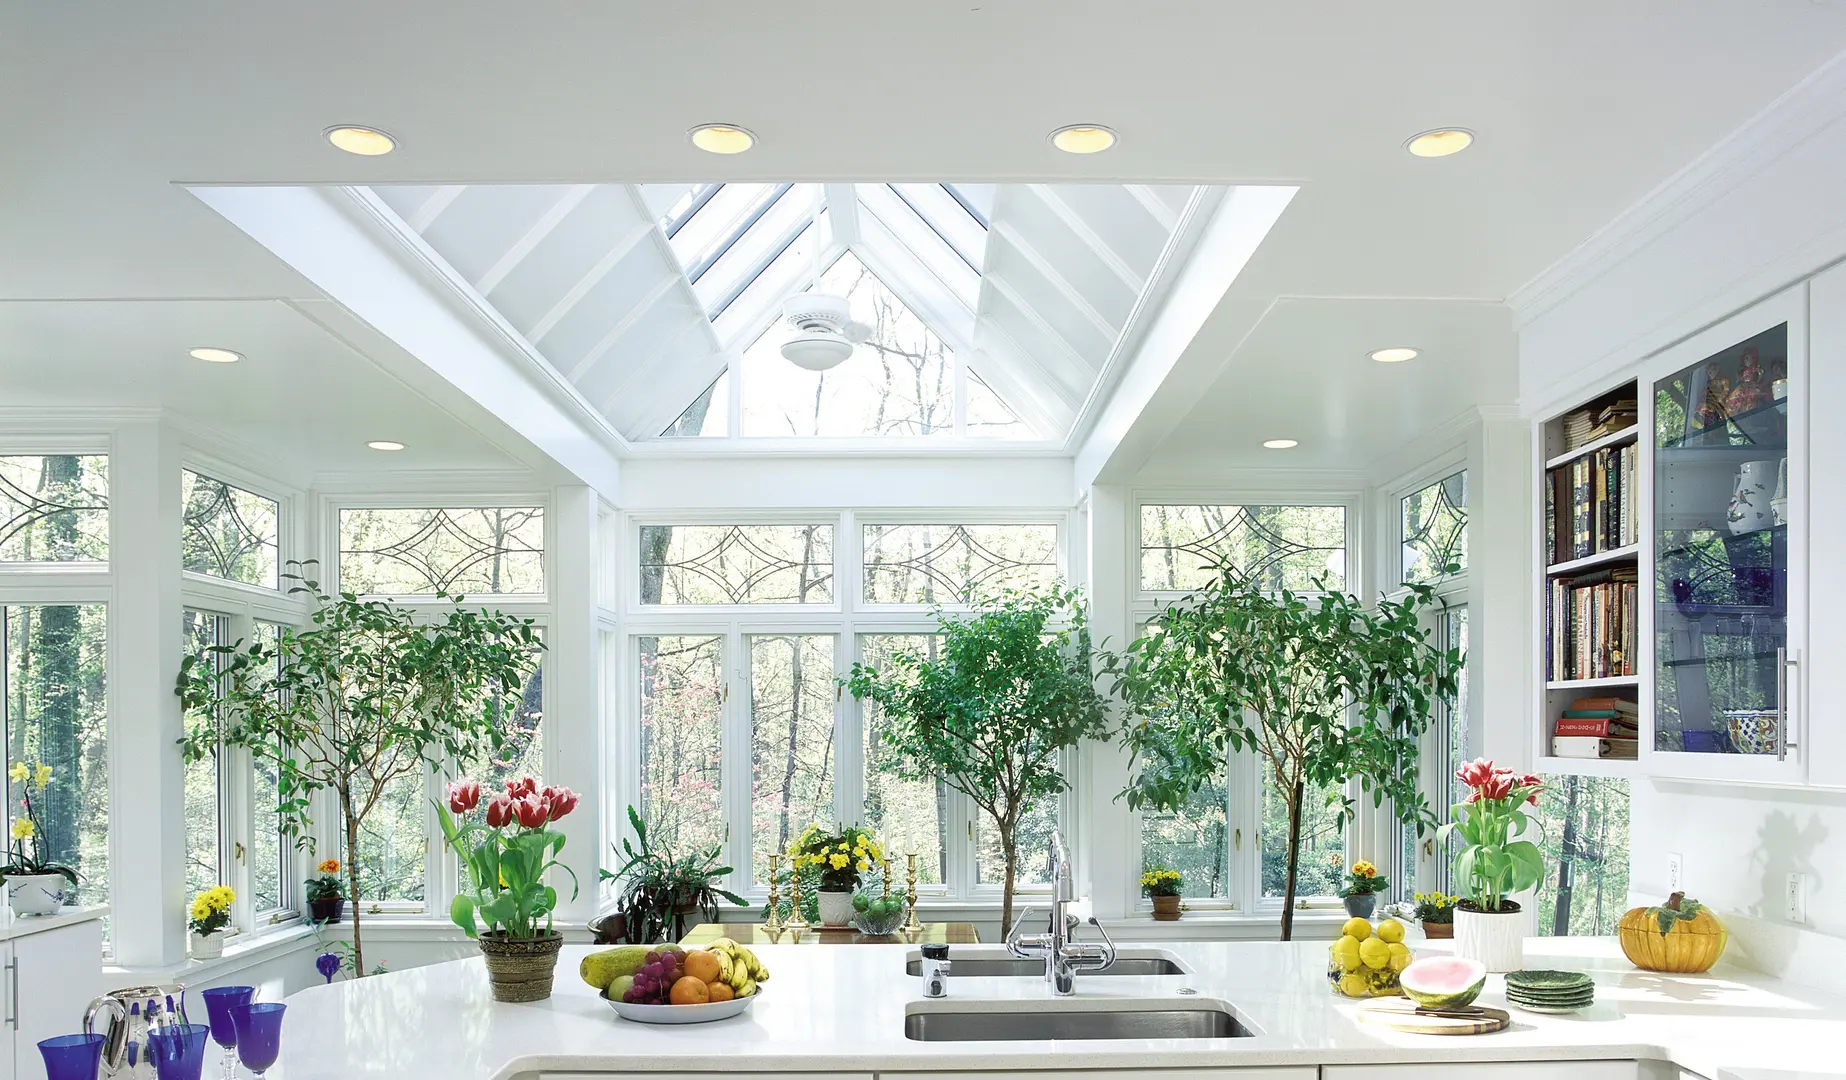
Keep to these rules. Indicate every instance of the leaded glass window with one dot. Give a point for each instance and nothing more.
(1279, 547)
(736, 564)
(408, 552)
(1435, 523)
(227, 532)
(956, 564)
(54, 508)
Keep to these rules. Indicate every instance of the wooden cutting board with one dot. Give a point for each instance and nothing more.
(1402, 1015)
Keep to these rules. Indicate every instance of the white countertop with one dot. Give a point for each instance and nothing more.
(17, 926)
(839, 1009)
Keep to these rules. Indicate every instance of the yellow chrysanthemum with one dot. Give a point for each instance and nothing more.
(22, 828)
(42, 775)
(19, 772)
(1364, 869)
(839, 861)
(862, 866)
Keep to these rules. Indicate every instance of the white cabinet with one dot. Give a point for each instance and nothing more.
(1826, 667)
(1275, 1072)
(1489, 1070)
(47, 978)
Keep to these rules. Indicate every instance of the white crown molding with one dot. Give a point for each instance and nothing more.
(245, 460)
(414, 483)
(68, 419)
(1816, 102)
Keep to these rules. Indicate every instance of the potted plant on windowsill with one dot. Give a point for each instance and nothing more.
(508, 906)
(33, 885)
(211, 913)
(662, 889)
(1493, 863)
(1435, 912)
(1360, 893)
(839, 858)
(326, 903)
(1161, 884)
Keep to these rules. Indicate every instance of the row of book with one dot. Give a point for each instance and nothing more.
(1590, 423)
(1597, 727)
(1590, 623)
(1590, 504)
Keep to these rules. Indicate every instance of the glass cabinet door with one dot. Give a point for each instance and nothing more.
(1721, 551)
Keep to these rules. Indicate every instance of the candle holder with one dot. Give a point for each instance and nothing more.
(911, 925)
(773, 924)
(887, 866)
(797, 923)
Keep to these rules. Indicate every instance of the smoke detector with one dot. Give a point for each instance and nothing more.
(825, 332)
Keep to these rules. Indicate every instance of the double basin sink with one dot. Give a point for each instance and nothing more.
(1083, 1018)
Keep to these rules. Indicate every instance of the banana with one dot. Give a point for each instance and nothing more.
(725, 965)
(748, 988)
(757, 971)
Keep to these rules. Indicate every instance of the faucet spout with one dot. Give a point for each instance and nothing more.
(1063, 957)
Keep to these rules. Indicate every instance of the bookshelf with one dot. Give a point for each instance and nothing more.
(1588, 595)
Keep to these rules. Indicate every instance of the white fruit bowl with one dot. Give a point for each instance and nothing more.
(681, 1014)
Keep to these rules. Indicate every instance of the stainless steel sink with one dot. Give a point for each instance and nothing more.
(989, 966)
(1169, 1021)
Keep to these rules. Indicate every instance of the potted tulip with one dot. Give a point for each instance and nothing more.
(1161, 885)
(1360, 893)
(1435, 912)
(1493, 863)
(33, 885)
(211, 913)
(508, 906)
(326, 903)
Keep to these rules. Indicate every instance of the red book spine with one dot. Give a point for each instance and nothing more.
(1599, 728)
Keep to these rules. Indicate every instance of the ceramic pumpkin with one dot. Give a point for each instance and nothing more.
(1680, 936)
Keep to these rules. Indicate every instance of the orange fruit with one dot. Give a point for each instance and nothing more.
(689, 991)
(722, 992)
(702, 966)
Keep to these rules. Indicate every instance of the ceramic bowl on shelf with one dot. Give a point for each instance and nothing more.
(681, 1014)
(1752, 731)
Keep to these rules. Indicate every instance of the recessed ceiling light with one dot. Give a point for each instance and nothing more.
(385, 444)
(1440, 143)
(213, 355)
(1083, 139)
(1394, 356)
(1279, 444)
(722, 138)
(364, 141)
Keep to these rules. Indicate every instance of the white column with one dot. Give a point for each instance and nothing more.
(573, 724)
(1500, 580)
(147, 787)
(1109, 827)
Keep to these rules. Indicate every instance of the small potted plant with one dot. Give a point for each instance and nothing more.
(840, 857)
(1493, 863)
(211, 913)
(1161, 884)
(34, 886)
(1435, 912)
(1360, 893)
(326, 903)
(508, 906)
(663, 889)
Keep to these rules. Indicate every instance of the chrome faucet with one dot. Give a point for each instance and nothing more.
(1063, 957)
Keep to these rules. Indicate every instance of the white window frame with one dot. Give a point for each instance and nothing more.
(848, 618)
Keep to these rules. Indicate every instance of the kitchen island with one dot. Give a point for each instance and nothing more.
(841, 1013)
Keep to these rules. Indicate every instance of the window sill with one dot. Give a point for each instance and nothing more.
(240, 952)
(1226, 926)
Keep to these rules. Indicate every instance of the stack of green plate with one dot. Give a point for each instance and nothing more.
(1549, 991)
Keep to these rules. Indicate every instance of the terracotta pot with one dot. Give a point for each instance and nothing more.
(1496, 939)
(1438, 931)
(1166, 908)
(331, 910)
(520, 969)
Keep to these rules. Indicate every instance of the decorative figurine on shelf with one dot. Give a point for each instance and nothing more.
(1778, 378)
(1750, 509)
(1752, 390)
(1710, 412)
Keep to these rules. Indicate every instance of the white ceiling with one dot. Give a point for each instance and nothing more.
(1582, 105)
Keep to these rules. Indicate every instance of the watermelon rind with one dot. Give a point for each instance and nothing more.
(1443, 982)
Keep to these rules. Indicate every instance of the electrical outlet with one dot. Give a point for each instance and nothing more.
(1797, 899)
(1676, 877)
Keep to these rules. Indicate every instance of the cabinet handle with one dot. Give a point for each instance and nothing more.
(1783, 713)
(1239, 839)
(12, 999)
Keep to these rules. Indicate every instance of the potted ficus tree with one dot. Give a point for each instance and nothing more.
(1319, 687)
(1009, 688)
(370, 693)
(1493, 863)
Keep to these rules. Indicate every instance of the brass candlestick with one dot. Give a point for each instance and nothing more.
(797, 922)
(911, 925)
(887, 862)
(773, 925)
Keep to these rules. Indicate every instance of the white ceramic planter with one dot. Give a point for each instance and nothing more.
(1497, 941)
(835, 908)
(208, 946)
(36, 894)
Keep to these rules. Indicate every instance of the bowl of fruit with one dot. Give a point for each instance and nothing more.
(666, 984)
(877, 916)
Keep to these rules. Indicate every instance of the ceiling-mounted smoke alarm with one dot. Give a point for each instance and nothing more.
(824, 331)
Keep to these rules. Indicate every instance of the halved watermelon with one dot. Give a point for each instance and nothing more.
(1443, 982)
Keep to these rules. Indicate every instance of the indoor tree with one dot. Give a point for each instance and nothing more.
(369, 693)
(1008, 688)
(1319, 687)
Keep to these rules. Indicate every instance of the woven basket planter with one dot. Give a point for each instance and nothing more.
(521, 969)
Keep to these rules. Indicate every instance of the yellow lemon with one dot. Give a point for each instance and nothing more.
(1374, 952)
(1346, 951)
(1391, 930)
(1357, 928)
(1355, 985)
(1400, 956)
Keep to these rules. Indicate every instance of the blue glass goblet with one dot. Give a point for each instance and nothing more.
(72, 1057)
(219, 1001)
(259, 1035)
(178, 1050)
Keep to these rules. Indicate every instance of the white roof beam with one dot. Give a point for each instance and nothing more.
(1075, 223)
(622, 325)
(1078, 370)
(843, 212)
(575, 294)
(439, 200)
(549, 220)
(1154, 205)
(1058, 281)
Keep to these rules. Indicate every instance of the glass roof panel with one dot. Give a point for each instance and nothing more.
(951, 220)
(767, 237)
(989, 417)
(713, 227)
(709, 415)
(758, 301)
(923, 243)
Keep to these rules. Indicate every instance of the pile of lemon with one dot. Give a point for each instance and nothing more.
(1365, 962)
